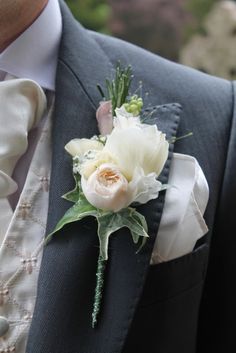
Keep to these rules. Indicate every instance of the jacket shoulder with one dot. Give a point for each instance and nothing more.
(175, 82)
(207, 102)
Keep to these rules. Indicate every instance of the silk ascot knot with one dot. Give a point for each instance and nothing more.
(22, 104)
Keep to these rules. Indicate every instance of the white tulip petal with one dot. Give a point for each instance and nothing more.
(134, 147)
(78, 147)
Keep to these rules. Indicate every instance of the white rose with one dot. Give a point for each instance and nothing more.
(78, 147)
(141, 146)
(107, 188)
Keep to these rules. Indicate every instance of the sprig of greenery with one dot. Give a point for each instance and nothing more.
(118, 88)
(175, 139)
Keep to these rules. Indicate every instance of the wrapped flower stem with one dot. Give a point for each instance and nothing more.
(101, 266)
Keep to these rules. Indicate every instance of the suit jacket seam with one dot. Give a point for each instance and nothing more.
(174, 296)
(100, 45)
(230, 137)
(226, 159)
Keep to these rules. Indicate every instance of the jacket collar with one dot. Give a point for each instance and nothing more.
(67, 276)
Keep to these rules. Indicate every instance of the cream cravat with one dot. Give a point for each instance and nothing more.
(22, 104)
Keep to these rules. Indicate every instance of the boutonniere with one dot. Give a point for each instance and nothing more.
(116, 171)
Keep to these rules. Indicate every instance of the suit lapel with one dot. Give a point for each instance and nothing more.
(62, 317)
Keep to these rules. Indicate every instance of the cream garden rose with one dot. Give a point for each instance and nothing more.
(107, 188)
(125, 168)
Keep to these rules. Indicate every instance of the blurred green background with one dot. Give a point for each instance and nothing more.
(164, 27)
(93, 14)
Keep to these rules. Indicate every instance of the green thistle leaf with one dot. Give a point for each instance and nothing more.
(101, 91)
(141, 221)
(74, 194)
(109, 223)
(80, 210)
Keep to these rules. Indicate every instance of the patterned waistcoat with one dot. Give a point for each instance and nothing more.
(21, 250)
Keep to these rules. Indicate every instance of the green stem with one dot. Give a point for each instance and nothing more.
(101, 266)
(181, 137)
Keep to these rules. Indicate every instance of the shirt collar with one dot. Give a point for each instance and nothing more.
(34, 53)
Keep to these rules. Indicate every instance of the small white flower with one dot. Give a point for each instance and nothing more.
(124, 120)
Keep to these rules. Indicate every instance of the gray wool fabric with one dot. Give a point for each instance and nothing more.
(170, 307)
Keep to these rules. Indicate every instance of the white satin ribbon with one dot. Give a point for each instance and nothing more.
(182, 222)
(22, 103)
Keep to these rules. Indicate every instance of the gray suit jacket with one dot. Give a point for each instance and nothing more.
(166, 308)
